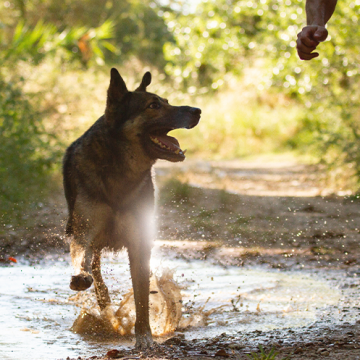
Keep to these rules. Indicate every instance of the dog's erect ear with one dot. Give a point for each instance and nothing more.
(117, 88)
(116, 93)
(146, 80)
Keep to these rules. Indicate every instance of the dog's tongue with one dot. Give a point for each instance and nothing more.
(170, 142)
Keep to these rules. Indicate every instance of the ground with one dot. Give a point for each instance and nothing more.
(275, 213)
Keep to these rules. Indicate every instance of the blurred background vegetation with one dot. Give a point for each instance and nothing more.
(235, 59)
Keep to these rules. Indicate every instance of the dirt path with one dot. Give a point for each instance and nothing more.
(274, 214)
(271, 208)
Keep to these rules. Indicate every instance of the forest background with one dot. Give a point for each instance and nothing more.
(236, 59)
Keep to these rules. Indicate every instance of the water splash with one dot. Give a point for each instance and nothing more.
(165, 310)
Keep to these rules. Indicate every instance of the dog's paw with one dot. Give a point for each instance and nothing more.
(81, 282)
(144, 342)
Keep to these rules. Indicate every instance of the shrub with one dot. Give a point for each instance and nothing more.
(27, 151)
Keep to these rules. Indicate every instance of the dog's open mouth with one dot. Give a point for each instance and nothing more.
(158, 144)
(168, 145)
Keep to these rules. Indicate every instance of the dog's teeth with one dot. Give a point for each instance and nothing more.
(155, 140)
(158, 142)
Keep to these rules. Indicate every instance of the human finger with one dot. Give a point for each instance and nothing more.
(300, 45)
(320, 34)
(303, 50)
(306, 36)
(307, 56)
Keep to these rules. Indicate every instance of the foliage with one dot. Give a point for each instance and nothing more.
(137, 29)
(34, 44)
(263, 356)
(27, 153)
(212, 42)
(26, 43)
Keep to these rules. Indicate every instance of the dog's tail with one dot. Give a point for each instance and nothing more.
(69, 187)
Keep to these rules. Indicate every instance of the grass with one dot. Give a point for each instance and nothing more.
(175, 191)
(225, 198)
(264, 356)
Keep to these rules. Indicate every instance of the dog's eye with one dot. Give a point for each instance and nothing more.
(154, 105)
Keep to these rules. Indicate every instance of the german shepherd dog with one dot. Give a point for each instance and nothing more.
(109, 188)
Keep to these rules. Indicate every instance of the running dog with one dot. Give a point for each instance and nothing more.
(110, 192)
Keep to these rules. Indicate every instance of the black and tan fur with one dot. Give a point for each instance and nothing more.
(110, 192)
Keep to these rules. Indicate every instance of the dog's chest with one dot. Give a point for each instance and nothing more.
(127, 191)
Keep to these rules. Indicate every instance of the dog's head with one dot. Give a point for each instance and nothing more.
(147, 118)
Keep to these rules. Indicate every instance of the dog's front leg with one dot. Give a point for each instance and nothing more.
(81, 256)
(139, 257)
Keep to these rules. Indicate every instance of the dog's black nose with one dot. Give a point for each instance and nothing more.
(195, 111)
(195, 117)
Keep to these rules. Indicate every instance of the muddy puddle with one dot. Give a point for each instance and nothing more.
(38, 310)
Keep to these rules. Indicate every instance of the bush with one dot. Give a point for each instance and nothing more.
(27, 152)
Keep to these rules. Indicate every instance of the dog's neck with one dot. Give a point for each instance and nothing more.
(137, 162)
(130, 158)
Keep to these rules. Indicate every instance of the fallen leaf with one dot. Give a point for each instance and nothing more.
(112, 354)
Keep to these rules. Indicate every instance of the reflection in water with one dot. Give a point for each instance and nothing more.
(37, 308)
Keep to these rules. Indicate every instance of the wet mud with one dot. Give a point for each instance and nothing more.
(227, 310)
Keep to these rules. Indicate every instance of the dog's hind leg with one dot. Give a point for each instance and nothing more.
(101, 290)
(81, 255)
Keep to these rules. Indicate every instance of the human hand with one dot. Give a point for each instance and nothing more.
(308, 39)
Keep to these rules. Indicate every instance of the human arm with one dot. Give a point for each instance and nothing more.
(318, 13)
